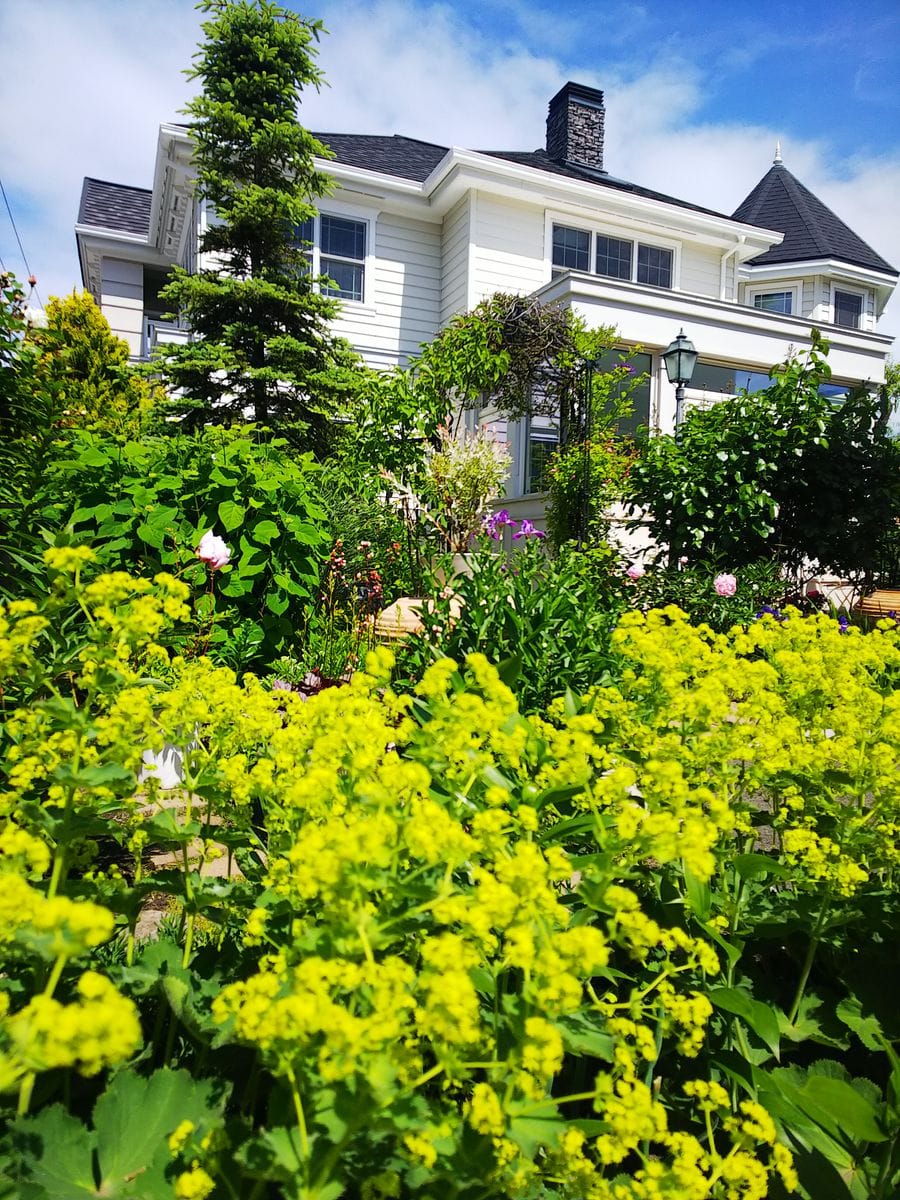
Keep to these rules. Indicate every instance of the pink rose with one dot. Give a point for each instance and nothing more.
(213, 551)
(635, 571)
(725, 585)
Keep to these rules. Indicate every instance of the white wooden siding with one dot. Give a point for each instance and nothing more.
(808, 298)
(402, 308)
(122, 300)
(455, 259)
(509, 248)
(701, 270)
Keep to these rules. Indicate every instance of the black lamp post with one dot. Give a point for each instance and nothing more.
(680, 358)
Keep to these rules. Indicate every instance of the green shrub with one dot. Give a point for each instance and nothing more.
(144, 506)
(787, 473)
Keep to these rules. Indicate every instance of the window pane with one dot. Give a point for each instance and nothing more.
(847, 309)
(613, 258)
(306, 230)
(542, 445)
(347, 276)
(640, 364)
(711, 377)
(344, 238)
(774, 301)
(571, 248)
(654, 266)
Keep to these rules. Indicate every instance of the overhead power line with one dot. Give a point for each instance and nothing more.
(12, 222)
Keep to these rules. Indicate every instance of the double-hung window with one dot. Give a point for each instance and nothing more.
(615, 258)
(847, 309)
(337, 249)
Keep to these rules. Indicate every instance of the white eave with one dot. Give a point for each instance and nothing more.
(173, 187)
(882, 281)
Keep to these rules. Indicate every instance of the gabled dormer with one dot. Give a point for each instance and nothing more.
(822, 271)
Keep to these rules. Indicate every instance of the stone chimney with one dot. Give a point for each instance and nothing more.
(575, 126)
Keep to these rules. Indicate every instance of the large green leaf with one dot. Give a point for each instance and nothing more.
(231, 514)
(133, 1119)
(57, 1155)
(761, 1018)
(132, 1122)
(264, 532)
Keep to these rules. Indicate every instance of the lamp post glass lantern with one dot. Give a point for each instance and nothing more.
(680, 358)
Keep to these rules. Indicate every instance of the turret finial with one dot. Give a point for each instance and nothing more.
(777, 158)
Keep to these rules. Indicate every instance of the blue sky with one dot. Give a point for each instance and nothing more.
(696, 94)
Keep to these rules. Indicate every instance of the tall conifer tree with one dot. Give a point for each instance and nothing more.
(262, 346)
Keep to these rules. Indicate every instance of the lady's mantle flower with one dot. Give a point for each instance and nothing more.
(725, 585)
(213, 551)
(528, 530)
(636, 571)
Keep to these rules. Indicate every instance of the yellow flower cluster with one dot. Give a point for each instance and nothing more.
(100, 1029)
(454, 895)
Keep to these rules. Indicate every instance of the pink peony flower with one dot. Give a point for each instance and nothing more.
(213, 551)
(725, 585)
(635, 571)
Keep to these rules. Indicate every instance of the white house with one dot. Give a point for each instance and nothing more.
(416, 232)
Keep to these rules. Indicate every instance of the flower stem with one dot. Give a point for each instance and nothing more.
(810, 956)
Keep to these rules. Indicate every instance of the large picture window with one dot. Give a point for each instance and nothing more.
(614, 258)
(337, 248)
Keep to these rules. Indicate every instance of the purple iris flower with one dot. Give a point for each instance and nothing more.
(528, 530)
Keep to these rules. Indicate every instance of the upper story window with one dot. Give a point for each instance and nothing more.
(847, 309)
(615, 258)
(778, 302)
(337, 249)
(571, 248)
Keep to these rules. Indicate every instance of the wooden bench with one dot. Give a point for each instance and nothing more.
(880, 603)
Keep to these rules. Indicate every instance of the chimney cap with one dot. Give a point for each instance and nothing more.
(578, 91)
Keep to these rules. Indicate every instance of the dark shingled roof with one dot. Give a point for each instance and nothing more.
(115, 206)
(409, 158)
(405, 157)
(811, 230)
(542, 161)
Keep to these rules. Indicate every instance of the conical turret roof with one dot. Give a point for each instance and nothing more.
(811, 230)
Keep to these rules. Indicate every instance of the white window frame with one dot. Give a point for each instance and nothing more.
(635, 237)
(850, 290)
(776, 285)
(363, 217)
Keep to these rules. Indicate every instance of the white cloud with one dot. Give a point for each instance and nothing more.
(90, 83)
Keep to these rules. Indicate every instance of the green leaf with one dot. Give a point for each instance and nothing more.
(57, 1153)
(277, 603)
(133, 1119)
(751, 866)
(541, 1127)
(699, 895)
(231, 514)
(867, 1029)
(838, 1103)
(265, 532)
(761, 1018)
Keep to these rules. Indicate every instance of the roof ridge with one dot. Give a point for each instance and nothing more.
(132, 187)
